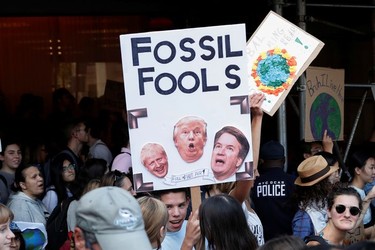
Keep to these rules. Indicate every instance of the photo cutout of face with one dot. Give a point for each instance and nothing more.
(230, 150)
(155, 159)
(190, 136)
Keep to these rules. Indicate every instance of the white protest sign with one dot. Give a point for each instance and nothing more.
(197, 76)
(279, 52)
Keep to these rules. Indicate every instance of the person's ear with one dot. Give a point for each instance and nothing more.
(23, 185)
(162, 232)
(79, 239)
(187, 199)
(329, 213)
(357, 170)
(2, 158)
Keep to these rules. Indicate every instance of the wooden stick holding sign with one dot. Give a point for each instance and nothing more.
(196, 200)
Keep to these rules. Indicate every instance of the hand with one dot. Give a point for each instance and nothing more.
(370, 195)
(193, 231)
(256, 101)
(327, 142)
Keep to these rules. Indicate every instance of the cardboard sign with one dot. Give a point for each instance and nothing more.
(182, 87)
(279, 52)
(325, 92)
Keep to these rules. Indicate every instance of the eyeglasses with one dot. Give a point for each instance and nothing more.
(69, 167)
(354, 211)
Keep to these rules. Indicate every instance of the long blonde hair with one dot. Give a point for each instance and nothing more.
(155, 216)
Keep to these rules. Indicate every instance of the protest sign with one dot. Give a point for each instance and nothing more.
(325, 88)
(182, 87)
(279, 52)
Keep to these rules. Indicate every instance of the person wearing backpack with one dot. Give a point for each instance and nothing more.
(97, 147)
(61, 223)
(63, 173)
(344, 210)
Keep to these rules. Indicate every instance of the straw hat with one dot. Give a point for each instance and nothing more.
(312, 170)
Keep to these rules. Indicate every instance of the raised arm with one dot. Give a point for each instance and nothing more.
(242, 188)
(327, 143)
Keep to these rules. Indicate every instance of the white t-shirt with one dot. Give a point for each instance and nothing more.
(254, 223)
(173, 240)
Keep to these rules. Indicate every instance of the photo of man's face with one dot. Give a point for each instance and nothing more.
(228, 153)
(154, 158)
(190, 137)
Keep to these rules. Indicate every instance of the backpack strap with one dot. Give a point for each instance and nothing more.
(316, 238)
(4, 180)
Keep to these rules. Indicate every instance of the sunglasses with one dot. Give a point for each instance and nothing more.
(353, 210)
(118, 177)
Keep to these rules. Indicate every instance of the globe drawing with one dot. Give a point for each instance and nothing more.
(325, 114)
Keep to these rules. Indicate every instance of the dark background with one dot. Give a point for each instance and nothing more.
(346, 27)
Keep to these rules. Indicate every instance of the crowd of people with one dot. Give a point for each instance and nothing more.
(79, 166)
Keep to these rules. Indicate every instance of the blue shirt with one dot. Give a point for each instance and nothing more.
(302, 224)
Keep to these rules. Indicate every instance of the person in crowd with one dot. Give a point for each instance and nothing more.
(312, 188)
(240, 190)
(97, 148)
(111, 122)
(344, 208)
(311, 148)
(119, 179)
(63, 173)
(224, 211)
(6, 234)
(11, 158)
(123, 160)
(332, 161)
(229, 152)
(155, 216)
(190, 137)
(370, 144)
(110, 218)
(286, 241)
(87, 179)
(272, 192)
(251, 216)
(155, 159)
(181, 233)
(37, 152)
(94, 168)
(76, 136)
(25, 203)
(18, 242)
(361, 166)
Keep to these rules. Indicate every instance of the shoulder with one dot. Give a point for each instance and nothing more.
(302, 216)
(18, 201)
